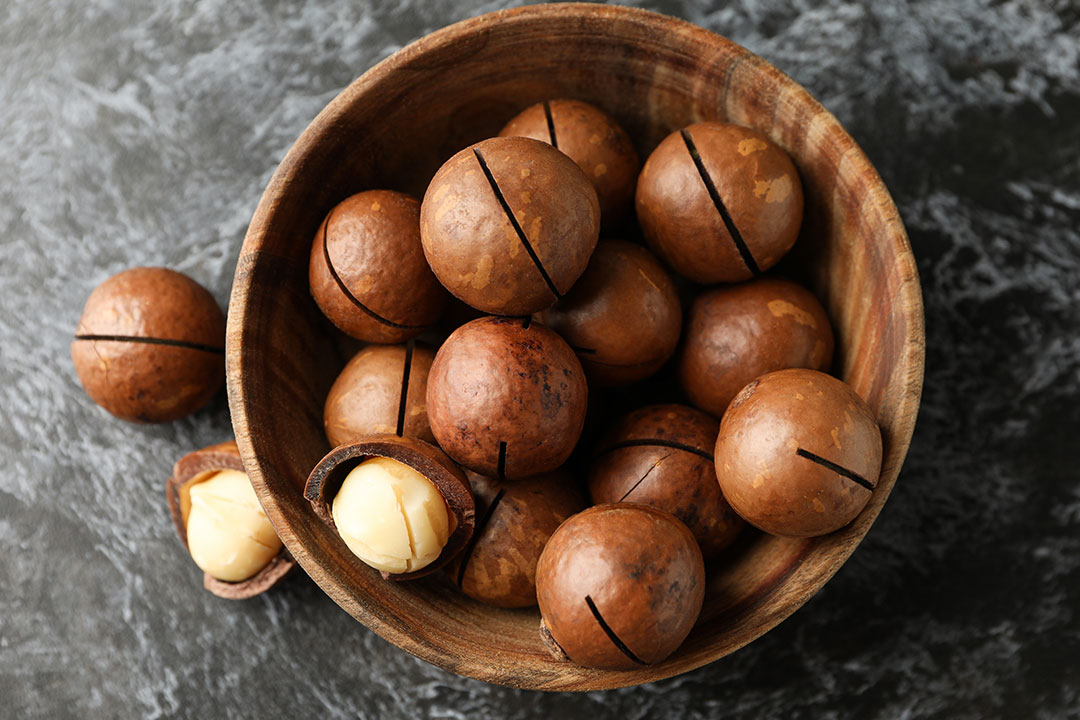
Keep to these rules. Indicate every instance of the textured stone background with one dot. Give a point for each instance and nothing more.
(143, 133)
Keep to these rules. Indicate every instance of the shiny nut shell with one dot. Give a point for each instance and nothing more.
(620, 586)
(592, 139)
(508, 225)
(798, 453)
(382, 389)
(515, 521)
(367, 270)
(719, 202)
(150, 345)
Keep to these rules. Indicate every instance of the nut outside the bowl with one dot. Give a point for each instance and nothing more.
(329, 474)
(189, 471)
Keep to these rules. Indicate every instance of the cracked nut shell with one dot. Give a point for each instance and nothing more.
(326, 479)
(620, 586)
(735, 334)
(515, 520)
(367, 269)
(593, 140)
(623, 316)
(367, 399)
(757, 185)
(192, 469)
(506, 397)
(798, 453)
(475, 248)
(150, 345)
(662, 456)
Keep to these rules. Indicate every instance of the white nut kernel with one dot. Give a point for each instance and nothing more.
(391, 517)
(229, 536)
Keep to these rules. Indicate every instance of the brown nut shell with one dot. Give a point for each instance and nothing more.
(735, 334)
(798, 454)
(507, 397)
(620, 586)
(189, 471)
(593, 140)
(623, 317)
(515, 521)
(662, 456)
(328, 475)
(382, 389)
(508, 225)
(150, 345)
(367, 269)
(719, 202)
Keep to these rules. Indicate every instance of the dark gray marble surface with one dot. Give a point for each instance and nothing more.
(143, 133)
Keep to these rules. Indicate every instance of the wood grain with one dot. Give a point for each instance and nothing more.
(393, 127)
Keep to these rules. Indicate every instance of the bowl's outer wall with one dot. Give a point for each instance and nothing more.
(392, 128)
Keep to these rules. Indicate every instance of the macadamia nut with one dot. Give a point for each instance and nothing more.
(229, 536)
(391, 517)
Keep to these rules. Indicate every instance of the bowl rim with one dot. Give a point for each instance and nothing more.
(910, 364)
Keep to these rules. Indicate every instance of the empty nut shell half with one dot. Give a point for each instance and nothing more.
(329, 474)
(189, 471)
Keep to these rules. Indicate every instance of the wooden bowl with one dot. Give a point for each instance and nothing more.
(392, 128)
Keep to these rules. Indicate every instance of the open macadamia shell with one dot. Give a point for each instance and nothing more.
(620, 586)
(326, 479)
(189, 471)
(719, 202)
(508, 225)
(150, 345)
(662, 455)
(515, 519)
(735, 334)
(623, 316)
(507, 397)
(367, 269)
(382, 389)
(592, 139)
(798, 453)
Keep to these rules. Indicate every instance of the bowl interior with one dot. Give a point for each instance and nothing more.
(393, 128)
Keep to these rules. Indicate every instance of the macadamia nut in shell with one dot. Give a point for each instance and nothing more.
(591, 138)
(620, 586)
(506, 397)
(367, 269)
(735, 334)
(623, 317)
(719, 202)
(508, 225)
(798, 454)
(150, 345)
